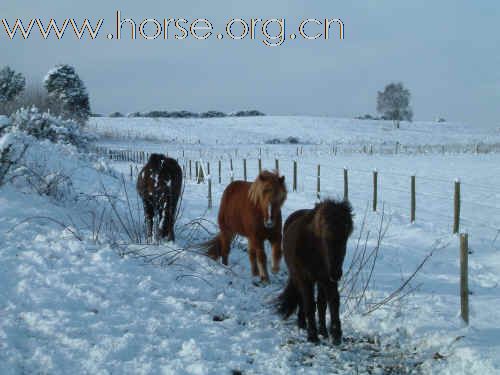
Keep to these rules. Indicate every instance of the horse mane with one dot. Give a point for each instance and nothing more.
(256, 189)
(336, 215)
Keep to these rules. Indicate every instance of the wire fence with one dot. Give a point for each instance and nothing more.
(475, 208)
(281, 150)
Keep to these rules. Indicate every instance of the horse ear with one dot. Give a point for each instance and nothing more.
(282, 179)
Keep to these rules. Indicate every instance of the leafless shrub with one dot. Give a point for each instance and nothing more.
(34, 95)
(52, 184)
(8, 160)
(359, 275)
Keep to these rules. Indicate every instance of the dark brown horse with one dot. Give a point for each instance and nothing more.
(252, 210)
(159, 184)
(314, 245)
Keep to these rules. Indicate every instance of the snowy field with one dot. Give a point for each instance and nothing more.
(81, 293)
(243, 131)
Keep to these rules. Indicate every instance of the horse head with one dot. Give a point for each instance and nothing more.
(268, 193)
(333, 225)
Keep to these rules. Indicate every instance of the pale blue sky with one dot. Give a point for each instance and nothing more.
(446, 52)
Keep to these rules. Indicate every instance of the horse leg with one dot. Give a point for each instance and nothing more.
(276, 251)
(334, 305)
(322, 301)
(307, 292)
(225, 245)
(148, 216)
(163, 220)
(301, 317)
(252, 256)
(170, 219)
(173, 212)
(262, 262)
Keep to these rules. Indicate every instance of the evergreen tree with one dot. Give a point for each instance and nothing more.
(67, 91)
(11, 85)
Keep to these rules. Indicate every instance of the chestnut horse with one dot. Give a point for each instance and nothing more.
(314, 246)
(252, 210)
(159, 184)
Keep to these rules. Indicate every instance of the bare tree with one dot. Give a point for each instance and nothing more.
(394, 103)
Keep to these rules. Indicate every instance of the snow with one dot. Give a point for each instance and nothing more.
(77, 300)
(309, 130)
(4, 120)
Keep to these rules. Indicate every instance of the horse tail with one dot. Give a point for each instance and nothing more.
(213, 247)
(288, 300)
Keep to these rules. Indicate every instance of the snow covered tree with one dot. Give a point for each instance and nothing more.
(67, 90)
(394, 103)
(11, 85)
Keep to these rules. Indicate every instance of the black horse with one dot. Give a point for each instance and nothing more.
(314, 246)
(159, 184)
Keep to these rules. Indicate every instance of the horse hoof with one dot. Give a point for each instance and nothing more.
(260, 283)
(275, 270)
(313, 338)
(336, 340)
(324, 333)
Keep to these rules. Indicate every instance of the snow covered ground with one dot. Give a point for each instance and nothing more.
(78, 295)
(313, 130)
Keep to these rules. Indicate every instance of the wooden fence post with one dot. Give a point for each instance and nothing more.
(260, 165)
(375, 189)
(244, 169)
(456, 215)
(220, 169)
(190, 170)
(277, 165)
(464, 277)
(232, 171)
(131, 173)
(346, 184)
(318, 182)
(196, 171)
(209, 186)
(295, 175)
(413, 199)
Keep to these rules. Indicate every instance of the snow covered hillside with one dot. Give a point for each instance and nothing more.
(81, 291)
(309, 130)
